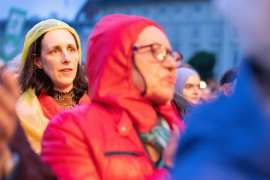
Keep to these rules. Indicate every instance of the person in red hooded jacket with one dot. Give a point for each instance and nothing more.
(129, 131)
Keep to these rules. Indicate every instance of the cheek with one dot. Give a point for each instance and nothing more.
(50, 67)
(150, 72)
(75, 59)
(200, 92)
(187, 93)
(51, 64)
(153, 76)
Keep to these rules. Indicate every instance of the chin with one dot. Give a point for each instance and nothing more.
(163, 97)
(67, 81)
(194, 102)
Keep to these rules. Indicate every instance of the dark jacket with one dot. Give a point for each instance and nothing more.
(228, 139)
(183, 107)
(30, 166)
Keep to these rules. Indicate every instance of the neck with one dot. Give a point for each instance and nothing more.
(63, 89)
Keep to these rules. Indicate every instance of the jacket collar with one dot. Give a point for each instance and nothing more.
(50, 107)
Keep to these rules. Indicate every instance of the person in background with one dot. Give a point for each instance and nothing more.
(17, 160)
(213, 84)
(206, 95)
(230, 138)
(129, 130)
(227, 82)
(15, 66)
(188, 84)
(187, 92)
(2, 63)
(51, 78)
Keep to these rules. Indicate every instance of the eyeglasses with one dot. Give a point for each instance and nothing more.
(160, 52)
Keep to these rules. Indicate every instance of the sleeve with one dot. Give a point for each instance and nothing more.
(30, 166)
(31, 118)
(64, 148)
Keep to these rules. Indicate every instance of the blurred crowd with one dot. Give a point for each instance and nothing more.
(134, 110)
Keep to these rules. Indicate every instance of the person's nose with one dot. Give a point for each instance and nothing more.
(66, 58)
(170, 63)
(196, 90)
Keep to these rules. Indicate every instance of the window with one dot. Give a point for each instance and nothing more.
(110, 12)
(196, 30)
(145, 12)
(162, 10)
(176, 46)
(216, 30)
(176, 32)
(197, 8)
(82, 16)
(177, 10)
(195, 49)
(128, 12)
(216, 51)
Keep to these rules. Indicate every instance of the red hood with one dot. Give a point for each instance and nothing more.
(109, 62)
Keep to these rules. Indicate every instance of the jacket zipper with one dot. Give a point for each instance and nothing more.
(111, 153)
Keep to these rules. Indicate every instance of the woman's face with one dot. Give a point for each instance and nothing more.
(59, 58)
(159, 77)
(192, 91)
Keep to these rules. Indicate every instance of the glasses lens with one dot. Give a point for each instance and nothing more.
(175, 55)
(159, 52)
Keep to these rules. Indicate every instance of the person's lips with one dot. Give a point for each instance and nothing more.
(195, 98)
(170, 79)
(66, 70)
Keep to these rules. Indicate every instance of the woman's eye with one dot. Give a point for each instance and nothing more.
(72, 50)
(188, 87)
(55, 51)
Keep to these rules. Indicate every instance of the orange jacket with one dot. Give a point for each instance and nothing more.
(99, 140)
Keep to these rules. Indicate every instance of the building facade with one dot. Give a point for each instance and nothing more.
(191, 26)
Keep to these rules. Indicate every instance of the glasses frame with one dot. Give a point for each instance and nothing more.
(178, 60)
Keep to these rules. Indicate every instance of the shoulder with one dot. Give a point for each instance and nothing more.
(85, 99)
(83, 117)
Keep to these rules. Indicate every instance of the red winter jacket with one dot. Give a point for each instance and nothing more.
(99, 140)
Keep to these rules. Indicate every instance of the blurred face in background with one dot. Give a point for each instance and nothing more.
(159, 77)
(192, 91)
(227, 89)
(206, 94)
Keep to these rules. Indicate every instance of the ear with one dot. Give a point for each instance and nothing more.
(225, 89)
(37, 61)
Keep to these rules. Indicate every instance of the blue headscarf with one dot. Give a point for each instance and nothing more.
(183, 74)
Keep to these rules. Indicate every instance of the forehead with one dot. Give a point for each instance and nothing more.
(58, 37)
(193, 79)
(152, 34)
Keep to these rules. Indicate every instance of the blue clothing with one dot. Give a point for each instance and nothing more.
(228, 139)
